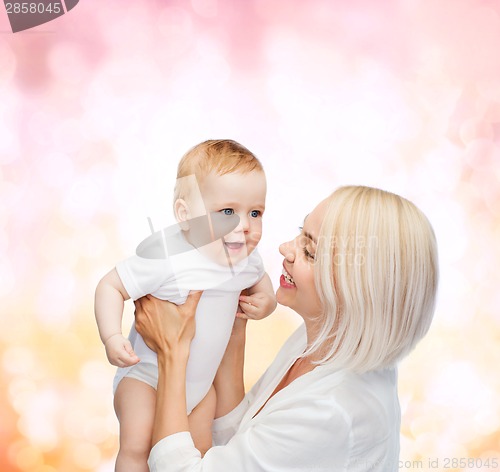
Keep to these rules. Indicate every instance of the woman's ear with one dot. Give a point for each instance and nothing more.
(182, 213)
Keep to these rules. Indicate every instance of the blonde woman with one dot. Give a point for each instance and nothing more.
(363, 275)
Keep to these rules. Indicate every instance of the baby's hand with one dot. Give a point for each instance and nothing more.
(120, 352)
(256, 306)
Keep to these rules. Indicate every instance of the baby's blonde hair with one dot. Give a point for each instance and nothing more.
(221, 156)
(377, 276)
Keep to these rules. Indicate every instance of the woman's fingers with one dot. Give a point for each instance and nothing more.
(163, 324)
(192, 301)
(138, 311)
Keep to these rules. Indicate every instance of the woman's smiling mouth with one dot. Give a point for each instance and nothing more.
(286, 279)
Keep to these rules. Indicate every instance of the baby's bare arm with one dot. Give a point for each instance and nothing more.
(110, 295)
(260, 301)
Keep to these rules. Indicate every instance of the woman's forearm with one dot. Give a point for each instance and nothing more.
(170, 412)
(228, 382)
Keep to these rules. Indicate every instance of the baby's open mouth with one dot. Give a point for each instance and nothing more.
(234, 246)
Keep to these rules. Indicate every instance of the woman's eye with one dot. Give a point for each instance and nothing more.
(308, 254)
(255, 213)
(228, 211)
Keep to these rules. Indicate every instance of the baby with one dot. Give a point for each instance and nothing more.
(220, 178)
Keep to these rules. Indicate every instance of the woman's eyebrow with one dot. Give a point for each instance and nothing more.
(311, 237)
(307, 234)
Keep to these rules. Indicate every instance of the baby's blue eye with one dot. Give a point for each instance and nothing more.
(255, 213)
(228, 211)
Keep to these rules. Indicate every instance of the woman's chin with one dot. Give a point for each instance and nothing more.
(282, 298)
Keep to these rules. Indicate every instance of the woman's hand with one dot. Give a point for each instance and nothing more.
(166, 327)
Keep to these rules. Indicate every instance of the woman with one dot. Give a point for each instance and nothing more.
(363, 276)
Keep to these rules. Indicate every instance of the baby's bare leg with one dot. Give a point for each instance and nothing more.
(200, 422)
(135, 408)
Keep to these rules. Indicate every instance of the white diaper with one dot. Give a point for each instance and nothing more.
(144, 371)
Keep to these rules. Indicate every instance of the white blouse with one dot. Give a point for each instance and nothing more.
(325, 420)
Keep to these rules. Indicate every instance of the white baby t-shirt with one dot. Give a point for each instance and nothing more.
(172, 279)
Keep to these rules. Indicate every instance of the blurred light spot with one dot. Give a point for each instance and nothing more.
(7, 63)
(94, 375)
(55, 307)
(487, 420)
(7, 277)
(21, 392)
(441, 168)
(490, 454)
(449, 224)
(424, 424)
(93, 244)
(425, 443)
(447, 447)
(95, 430)
(475, 128)
(108, 466)
(363, 115)
(18, 360)
(73, 421)
(456, 385)
(480, 153)
(489, 89)
(98, 122)
(82, 201)
(40, 126)
(458, 290)
(175, 25)
(45, 468)
(56, 249)
(66, 62)
(112, 423)
(4, 236)
(206, 8)
(12, 194)
(67, 135)
(215, 67)
(282, 47)
(86, 456)
(28, 458)
(38, 419)
(8, 143)
(56, 170)
(71, 344)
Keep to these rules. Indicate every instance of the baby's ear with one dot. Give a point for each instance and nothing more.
(182, 213)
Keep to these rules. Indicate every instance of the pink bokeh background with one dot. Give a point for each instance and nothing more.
(97, 107)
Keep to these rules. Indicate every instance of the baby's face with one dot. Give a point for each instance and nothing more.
(229, 194)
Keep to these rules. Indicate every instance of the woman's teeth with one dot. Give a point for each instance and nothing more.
(288, 278)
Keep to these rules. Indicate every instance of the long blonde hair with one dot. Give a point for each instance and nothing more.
(376, 274)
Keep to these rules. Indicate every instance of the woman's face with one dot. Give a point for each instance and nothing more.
(297, 289)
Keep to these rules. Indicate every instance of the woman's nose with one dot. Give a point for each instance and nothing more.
(287, 250)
